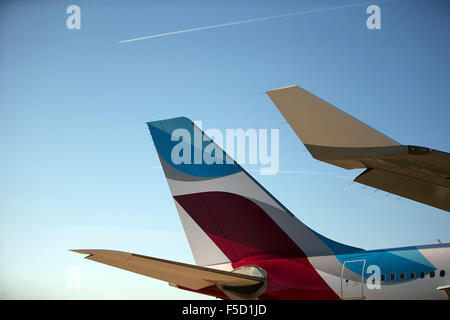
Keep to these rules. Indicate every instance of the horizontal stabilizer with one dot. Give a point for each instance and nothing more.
(180, 274)
(446, 289)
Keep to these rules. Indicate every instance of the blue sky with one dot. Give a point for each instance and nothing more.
(77, 167)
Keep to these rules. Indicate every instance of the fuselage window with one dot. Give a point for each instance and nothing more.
(392, 276)
(442, 273)
(412, 275)
(402, 276)
(422, 274)
(383, 277)
(431, 274)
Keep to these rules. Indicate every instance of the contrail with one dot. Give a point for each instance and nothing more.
(305, 172)
(252, 20)
(290, 171)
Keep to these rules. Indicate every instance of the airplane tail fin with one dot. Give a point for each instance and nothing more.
(226, 214)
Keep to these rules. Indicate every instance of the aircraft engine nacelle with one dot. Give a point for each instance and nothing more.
(247, 292)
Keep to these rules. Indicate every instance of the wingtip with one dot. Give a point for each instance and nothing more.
(282, 88)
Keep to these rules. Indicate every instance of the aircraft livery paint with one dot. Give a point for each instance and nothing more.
(229, 218)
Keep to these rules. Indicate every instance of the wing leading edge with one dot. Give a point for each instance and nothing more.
(331, 135)
(175, 273)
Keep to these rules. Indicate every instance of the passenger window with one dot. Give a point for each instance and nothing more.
(392, 276)
(383, 277)
(422, 275)
(402, 276)
(442, 273)
(431, 274)
(412, 275)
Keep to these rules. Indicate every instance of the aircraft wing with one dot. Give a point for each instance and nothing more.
(333, 136)
(182, 274)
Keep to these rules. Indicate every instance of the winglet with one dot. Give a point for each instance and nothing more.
(318, 123)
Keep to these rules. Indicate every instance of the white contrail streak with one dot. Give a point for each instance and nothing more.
(304, 172)
(252, 20)
(290, 171)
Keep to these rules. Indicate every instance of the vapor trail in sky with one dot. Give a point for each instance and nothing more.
(252, 20)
